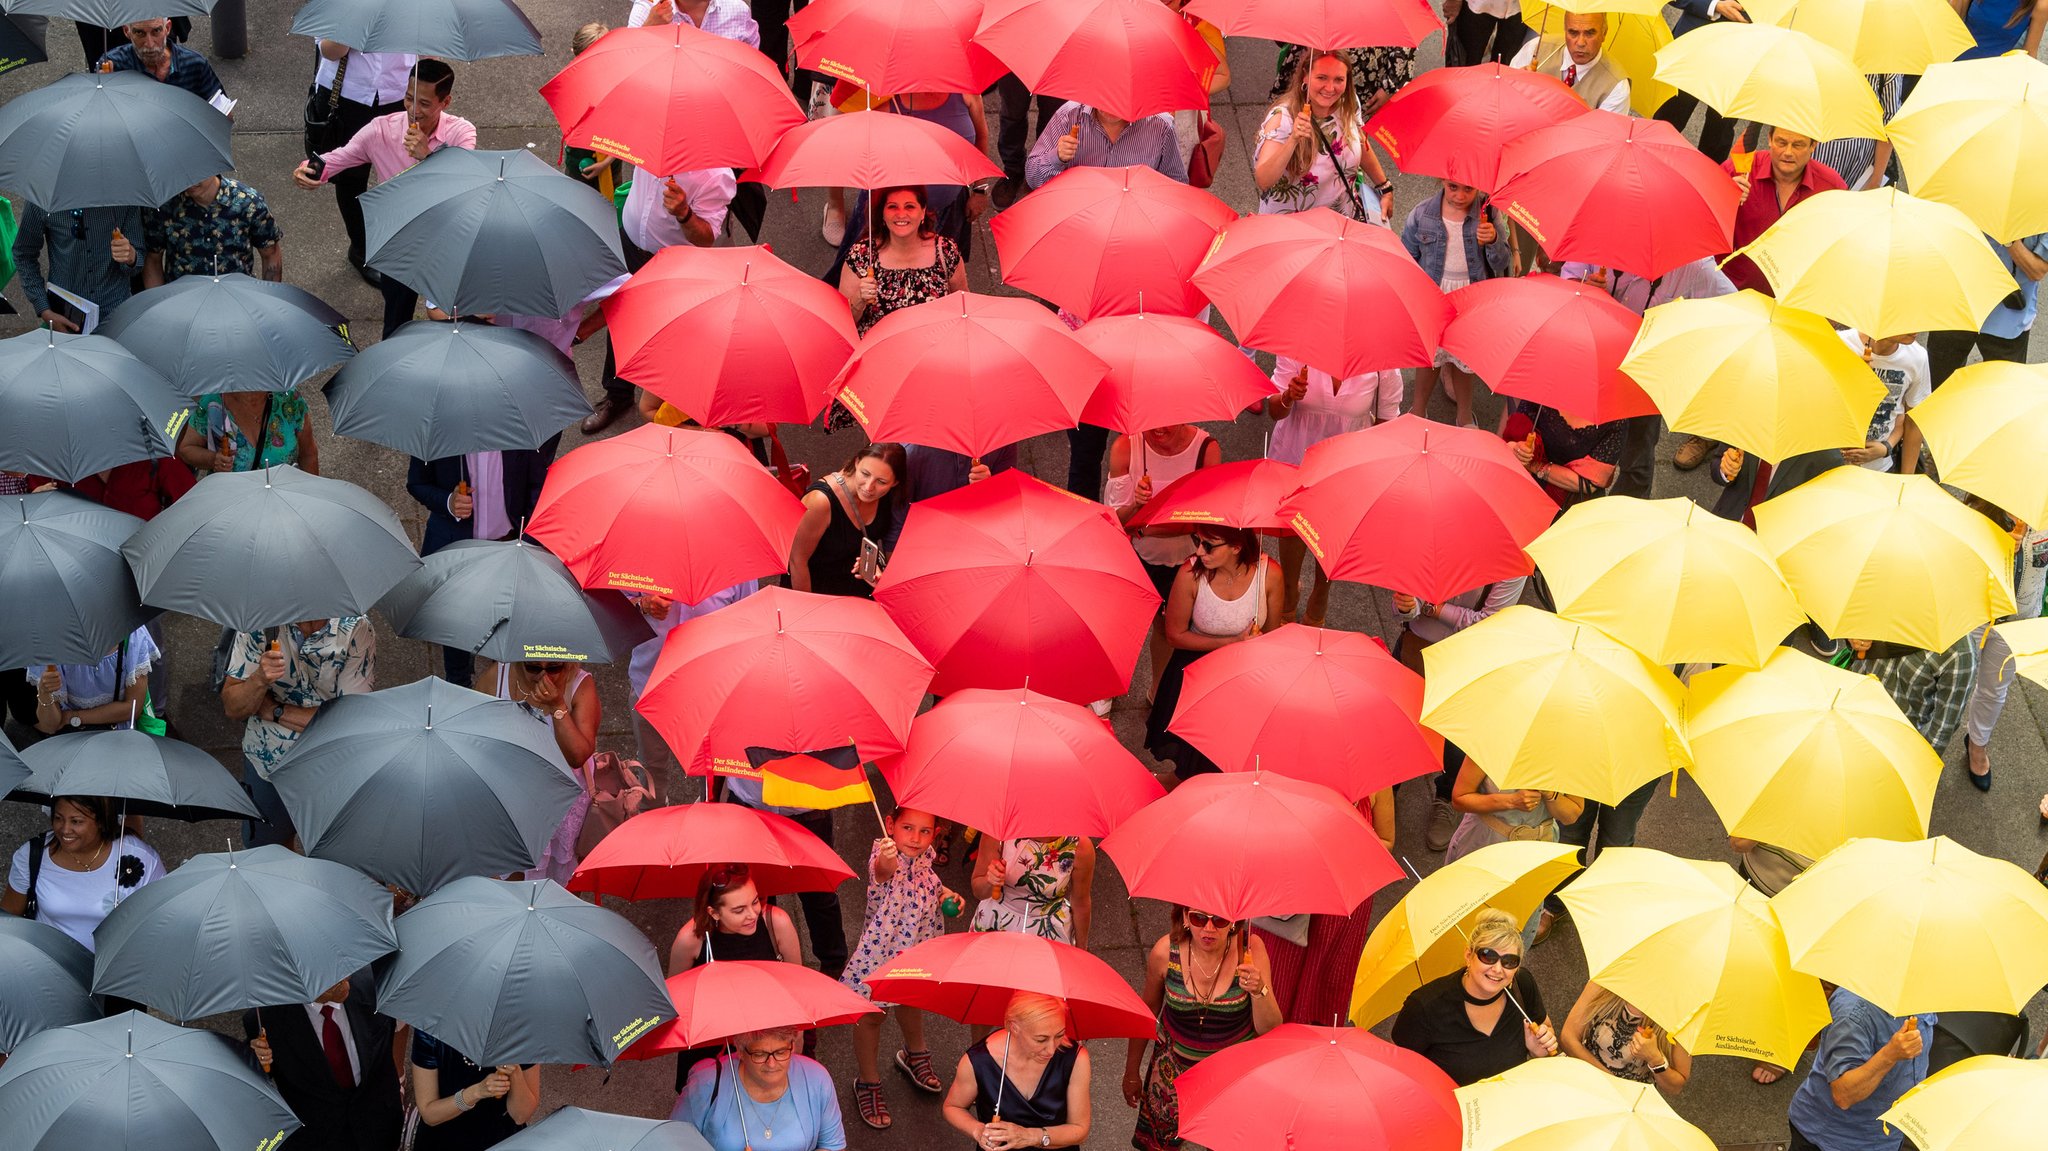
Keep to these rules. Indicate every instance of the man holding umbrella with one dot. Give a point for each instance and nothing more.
(94, 253)
(217, 226)
(332, 1060)
(277, 686)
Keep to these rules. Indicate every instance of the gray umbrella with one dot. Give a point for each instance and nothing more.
(423, 784)
(239, 930)
(149, 774)
(574, 1129)
(456, 29)
(108, 13)
(132, 1082)
(47, 974)
(62, 553)
(512, 601)
(75, 405)
(13, 772)
(433, 390)
(493, 232)
(260, 549)
(232, 333)
(20, 46)
(523, 972)
(109, 139)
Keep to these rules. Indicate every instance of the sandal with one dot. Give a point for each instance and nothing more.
(918, 1065)
(1766, 1073)
(867, 1099)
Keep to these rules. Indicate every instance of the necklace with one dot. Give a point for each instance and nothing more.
(1214, 980)
(98, 857)
(1475, 1001)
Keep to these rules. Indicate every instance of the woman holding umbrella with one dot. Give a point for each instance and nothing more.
(1573, 459)
(1210, 985)
(1229, 591)
(729, 920)
(1487, 1017)
(1607, 1031)
(1312, 146)
(483, 1106)
(245, 431)
(74, 876)
(901, 261)
(1025, 1085)
(763, 1096)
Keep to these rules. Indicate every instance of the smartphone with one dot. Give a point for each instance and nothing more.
(871, 562)
(316, 165)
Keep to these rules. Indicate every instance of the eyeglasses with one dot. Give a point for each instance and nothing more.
(762, 1058)
(1508, 960)
(546, 668)
(1204, 919)
(1204, 544)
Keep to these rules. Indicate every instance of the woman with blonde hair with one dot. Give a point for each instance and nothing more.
(1025, 1085)
(1607, 1031)
(1312, 147)
(1485, 1018)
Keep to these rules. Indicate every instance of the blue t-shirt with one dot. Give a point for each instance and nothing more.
(2012, 323)
(1858, 1030)
(804, 1119)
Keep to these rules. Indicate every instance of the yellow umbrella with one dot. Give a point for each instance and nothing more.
(1693, 946)
(1775, 76)
(1634, 34)
(1974, 134)
(1877, 36)
(2028, 639)
(1988, 429)
(1551, 705)
(1984, 1103)
(1882, 262)
(1808, 756)
(1423, 937)
(1917, 927)
(1567, 1104)
(1676, 583)
(1744, 369)
(1873, 555)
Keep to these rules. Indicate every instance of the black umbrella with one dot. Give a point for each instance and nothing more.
(47, 976)
(75, 405)
(483, 232)
(433, 390)
(523, 972)
(232, 333)
(259, 549)
(422, 784)
(512, 601)
(456, 29)
(60, 562)
(109, 139)
(109, 13)
(149, 774)
(574, 1129)
(18, 48)
(135, 1083)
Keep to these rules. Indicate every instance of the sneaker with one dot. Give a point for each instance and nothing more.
(1691, 453)
(1443, 820)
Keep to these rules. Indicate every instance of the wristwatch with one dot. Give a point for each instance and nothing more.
(277, 713)
(1044, 1137)
(1385, 188)
(1660, 1068)
(76, 721)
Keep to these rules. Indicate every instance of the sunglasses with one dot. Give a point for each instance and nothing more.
(1204, 919)
(727, 877)
(1508, 960)
(546, 668)
(1204, 544)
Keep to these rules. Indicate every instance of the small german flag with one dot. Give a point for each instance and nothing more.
(807, 781)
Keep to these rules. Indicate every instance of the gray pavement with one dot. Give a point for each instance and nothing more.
(500, 97)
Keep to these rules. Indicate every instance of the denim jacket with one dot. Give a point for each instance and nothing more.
(1424, 237)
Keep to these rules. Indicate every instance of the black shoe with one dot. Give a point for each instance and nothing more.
(607, 413)
(371, 276)
(1005, 193)
(1980, 782)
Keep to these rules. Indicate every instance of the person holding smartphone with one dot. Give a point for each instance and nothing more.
(848, 515)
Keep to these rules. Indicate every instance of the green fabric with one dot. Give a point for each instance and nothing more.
(8, 228)
(147, 721)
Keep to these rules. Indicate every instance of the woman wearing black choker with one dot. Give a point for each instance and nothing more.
(1485, 1019)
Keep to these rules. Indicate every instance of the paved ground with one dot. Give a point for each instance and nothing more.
(500, 97)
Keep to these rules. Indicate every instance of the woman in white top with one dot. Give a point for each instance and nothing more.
(1229, 591)
(564, 697)
(103, 696)
(81, 870)
(1295, 170)
(1140, 468)
(1313, 407)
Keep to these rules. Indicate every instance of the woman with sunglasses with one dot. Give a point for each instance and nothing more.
(1607, 1031)
(1485, 1018)
(729, 920)
(1227, 592)
(1210, 986)
(763, 1096)
(564, 697)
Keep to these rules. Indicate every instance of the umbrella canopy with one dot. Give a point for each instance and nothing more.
(148, 774)
(109, 13)
(433, 390)
(62, 553)
(1627, 565)
(370, 785)
(2028, 639)
(1331, 707)
(574, 1129)
(1166, 370)
(1633, 39)
(1988, 428)
(1983, 1102)
(1323, 23)
(1561, 1104)
(75, 405)
(253, 550)
(1240, 494)
(1878, 36)
(13, 772)
(664, 853)
(1556, 342)
(456, 29)
(108, 139)
(480, 232)
(1744, 369)
(969, 976)
(730, 335)
(1019, 764)
(1774, 76)
(1110, 241)
(48, 974)
(131, 1082)
(1553, 705)
(1241, 844)
(240, 930)
(724, 998)
(231, 333)
(1974, 135)
(722, 517)
(1130, 58)
(896, 45)
(1453, 122)
(523, 972)
(968, 586)
(1877, 556)
(1340, 296)
(872, 149)
(1298, 1086)
(511, 601)
(1693, 946)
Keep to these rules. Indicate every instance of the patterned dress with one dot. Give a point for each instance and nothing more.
(1038, 874)
(1189, 1032)
(902, 913)
(895, 288)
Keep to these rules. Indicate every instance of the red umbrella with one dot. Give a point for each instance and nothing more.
(1453, 122)
(968, 373)
(1017, 763)
(1101, 241)
(889, 46)
(1252, 843)
(1324, 23)
(1418, 507)
(730, 335)
(1618, 192)
(1130, 58)
(724, 998)
(1166, 370)
(784, 668)
(1331, 707)
(1557, 342)
(679, 512)
(1298, 1086)
(1244, 494)
(664, 853)
(969, 976)
(1012, 582)
(1339, 295)
(672, 99)
(871, 149)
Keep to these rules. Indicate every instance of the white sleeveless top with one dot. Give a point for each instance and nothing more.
(1214, 615)
(546, 717)
(1162, 551)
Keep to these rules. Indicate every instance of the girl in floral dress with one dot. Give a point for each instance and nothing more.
(1035, 886)
(1294, 168)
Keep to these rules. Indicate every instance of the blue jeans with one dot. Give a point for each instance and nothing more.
(278, 828)
(1616, 824)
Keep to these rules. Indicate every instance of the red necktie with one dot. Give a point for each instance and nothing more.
(1571, 76)
(337, 1051)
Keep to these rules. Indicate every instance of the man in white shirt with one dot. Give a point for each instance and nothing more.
(372, 85)
(1902, 368)
(1578, 59)
(333, 1062)
(1472, 23)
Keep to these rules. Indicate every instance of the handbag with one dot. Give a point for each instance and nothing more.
(794, 477)
(1208, 153)
(612, 783)
(322, 116)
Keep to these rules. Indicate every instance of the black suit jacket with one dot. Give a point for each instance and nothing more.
(363, 1118)
(432, 482)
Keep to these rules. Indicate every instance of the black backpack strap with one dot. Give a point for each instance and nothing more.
(35, 868)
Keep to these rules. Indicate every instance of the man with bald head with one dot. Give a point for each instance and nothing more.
(1578, 58)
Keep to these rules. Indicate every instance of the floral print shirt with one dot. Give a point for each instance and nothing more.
(1322, 186)
(1038, 876)
(280, 436)
(207, 239)
(337, 660)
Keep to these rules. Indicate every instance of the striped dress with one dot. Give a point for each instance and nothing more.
(1189, 1032)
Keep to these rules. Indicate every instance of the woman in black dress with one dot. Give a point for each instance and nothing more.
(1026, 1085)
(464, 1107)
(729, 920)
(856, 504)
(1465, 1022)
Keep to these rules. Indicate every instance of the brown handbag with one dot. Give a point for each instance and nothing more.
(1208, 153)
(619, 788)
